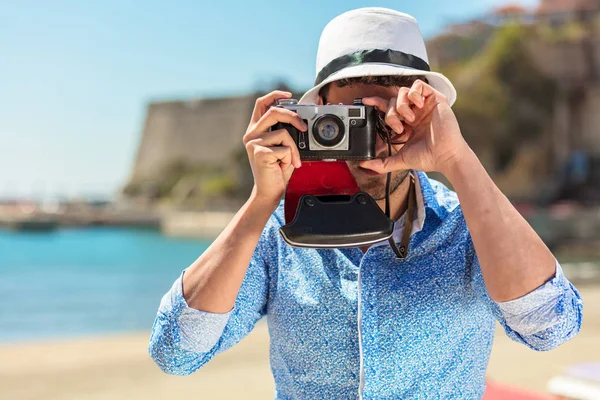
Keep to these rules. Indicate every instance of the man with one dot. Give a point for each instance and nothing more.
(360, 323)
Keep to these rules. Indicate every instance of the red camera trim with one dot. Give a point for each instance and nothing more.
(318, 178)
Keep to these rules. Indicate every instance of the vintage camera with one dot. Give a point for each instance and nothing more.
(335, 132)
(324, 207)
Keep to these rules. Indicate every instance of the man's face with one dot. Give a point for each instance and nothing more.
(368, 180)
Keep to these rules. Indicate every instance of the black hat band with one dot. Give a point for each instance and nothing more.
(371, 56)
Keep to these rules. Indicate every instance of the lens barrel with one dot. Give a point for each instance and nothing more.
(328, 130)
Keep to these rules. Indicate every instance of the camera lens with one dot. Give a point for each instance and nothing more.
(328, 130)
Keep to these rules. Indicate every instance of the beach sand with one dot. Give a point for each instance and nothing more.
(118, 367)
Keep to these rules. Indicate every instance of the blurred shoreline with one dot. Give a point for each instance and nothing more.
(565, 228)
(170, 221)
(34, 217)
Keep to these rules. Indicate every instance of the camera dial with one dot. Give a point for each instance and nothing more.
(286, 102)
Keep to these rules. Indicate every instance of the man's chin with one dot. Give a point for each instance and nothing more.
(373, 183)
(374, 187)
(369, 181)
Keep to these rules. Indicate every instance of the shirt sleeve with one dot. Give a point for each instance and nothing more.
(184, 339)
(542, 319)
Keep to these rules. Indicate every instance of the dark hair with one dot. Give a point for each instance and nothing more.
(386, 81)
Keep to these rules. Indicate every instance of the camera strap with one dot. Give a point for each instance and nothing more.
(402, 251)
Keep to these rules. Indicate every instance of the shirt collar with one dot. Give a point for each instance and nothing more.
(438, 200)
(426, 199)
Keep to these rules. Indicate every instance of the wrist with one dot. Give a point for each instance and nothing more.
(461, 166)
(454, 163)
(259, 203)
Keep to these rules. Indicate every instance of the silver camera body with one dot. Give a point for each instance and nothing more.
(334, 131)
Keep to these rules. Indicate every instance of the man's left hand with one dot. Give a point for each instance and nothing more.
(423, 119)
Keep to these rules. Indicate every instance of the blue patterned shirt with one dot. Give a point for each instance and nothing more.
(348, 325)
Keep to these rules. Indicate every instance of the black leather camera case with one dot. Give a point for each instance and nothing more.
(335, 221)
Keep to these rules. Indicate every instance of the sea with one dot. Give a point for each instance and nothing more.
(86, 282)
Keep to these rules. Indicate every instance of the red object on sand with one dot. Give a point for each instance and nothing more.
(498, 391)
(318, 178)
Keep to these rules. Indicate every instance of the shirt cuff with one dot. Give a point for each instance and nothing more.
(537, 310)
(199, 331)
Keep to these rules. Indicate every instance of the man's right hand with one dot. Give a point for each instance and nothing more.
(273, 155)
(213, 281)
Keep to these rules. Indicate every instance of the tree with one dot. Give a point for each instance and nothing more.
(504, 101)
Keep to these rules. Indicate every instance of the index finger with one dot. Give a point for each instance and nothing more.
(380, 103)
(420, 92)
(263, 103)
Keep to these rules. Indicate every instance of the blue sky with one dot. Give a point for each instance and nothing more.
(75, 76)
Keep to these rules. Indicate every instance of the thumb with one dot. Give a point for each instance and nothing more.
(387, 164)
(287, 173)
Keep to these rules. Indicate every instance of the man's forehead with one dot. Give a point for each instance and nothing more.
(348, 93)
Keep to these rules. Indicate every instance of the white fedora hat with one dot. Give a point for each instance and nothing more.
(373, 42)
